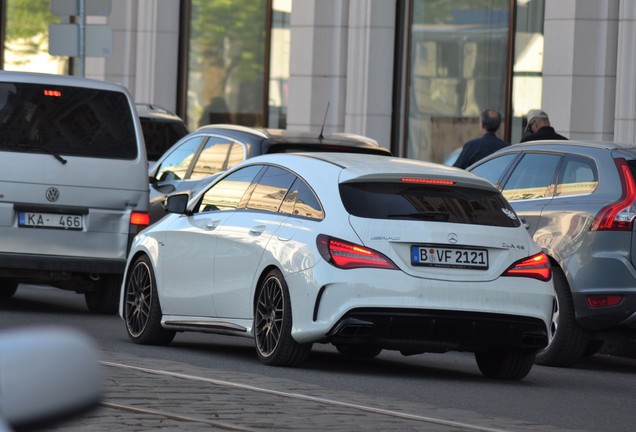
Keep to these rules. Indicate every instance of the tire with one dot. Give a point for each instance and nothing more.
(593, 347)
(105, 300)
(142, 311)
(359, 351)
(273, 323)
(567, 340)
(8, 288)
(512, 364)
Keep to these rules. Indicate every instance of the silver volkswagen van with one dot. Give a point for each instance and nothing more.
(73, 184)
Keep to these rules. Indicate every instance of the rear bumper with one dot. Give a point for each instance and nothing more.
(616, 317)
(415, 331)
(603, 266)
(13, 265)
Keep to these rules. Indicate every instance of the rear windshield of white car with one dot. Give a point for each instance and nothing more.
(70, 121)
(431, 203)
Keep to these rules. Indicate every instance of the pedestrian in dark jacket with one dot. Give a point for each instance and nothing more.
(538, 127)
(478, 148)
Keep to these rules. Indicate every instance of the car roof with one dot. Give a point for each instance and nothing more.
(370, 167)
(62, 80)
(275, 137)
(561, 144)
(156, 112)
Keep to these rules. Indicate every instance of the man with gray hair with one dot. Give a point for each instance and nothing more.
(478, 148)
(538, 127)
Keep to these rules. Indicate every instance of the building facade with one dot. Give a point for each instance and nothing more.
(412, 74)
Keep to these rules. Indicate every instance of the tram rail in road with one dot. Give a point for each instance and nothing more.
(151, 394)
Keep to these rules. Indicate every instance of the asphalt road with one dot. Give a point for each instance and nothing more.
(596, 395)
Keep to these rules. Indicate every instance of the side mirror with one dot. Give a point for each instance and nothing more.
(47, 373)
(177, 203)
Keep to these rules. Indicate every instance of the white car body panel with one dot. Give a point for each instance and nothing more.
(243, 242)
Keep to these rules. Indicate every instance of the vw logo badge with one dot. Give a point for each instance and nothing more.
(52, 194)
(452, 238)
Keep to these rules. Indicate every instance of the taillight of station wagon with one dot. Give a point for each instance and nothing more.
(346, 255)
(619, 216)
(536, 267)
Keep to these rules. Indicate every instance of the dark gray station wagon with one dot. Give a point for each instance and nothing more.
(578, 200)
(202, 155)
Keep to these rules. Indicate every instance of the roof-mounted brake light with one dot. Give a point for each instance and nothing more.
(427, 181)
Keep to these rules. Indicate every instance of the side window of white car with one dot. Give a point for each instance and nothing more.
(227, 193)
(301, 201)
(272, 187)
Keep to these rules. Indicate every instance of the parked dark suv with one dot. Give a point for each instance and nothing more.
(578, 200)
(161, 128)
(210, 150)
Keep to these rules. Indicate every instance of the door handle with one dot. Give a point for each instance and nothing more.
(212, 224)
(257, 230)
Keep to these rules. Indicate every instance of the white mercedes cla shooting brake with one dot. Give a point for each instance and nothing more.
(364, 252)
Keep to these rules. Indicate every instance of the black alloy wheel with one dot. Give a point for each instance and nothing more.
(142, 311)
(275, 345)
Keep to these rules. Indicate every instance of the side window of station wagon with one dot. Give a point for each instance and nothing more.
(301, 201)
(176, 165)
(533, 177)
(228, 193)
(218, 155)
(494, 169)
(579, 176)
(272, 187)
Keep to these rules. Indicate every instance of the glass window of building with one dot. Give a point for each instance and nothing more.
(226, 62)
(279, 64)
(528, 64)
(25, 37)
(238, 62)
(458, 54)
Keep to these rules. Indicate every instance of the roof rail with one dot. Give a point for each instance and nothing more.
(358, 137)
(238, 128)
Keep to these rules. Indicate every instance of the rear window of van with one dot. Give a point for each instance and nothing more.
(63, 120)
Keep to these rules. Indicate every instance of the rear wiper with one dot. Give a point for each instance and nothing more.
(435, 216)
(34, 147)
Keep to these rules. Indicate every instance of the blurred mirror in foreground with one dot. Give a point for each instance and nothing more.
(47, 374)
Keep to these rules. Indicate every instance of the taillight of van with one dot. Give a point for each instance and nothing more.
(138, 221)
